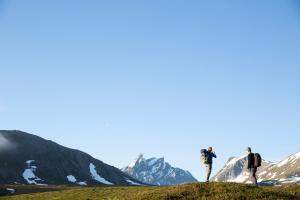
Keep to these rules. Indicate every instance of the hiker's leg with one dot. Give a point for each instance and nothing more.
(254, 176)
(251, 175)
(208, 171)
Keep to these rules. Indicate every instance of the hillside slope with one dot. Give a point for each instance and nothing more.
(29, 159)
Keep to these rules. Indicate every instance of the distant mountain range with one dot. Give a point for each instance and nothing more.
(156, 171)
(285, 171)
(29, 159)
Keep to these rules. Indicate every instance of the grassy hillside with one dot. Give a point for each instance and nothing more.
(195, 191)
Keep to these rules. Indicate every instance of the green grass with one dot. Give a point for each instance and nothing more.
(225, 191)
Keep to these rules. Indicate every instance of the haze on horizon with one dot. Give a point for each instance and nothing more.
(116, 79)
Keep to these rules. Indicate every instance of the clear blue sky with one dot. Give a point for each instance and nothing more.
(163, 78)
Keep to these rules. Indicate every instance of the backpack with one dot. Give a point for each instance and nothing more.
(257, 160)
(204, 156)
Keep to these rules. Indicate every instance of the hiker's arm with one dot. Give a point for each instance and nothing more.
(214, 155)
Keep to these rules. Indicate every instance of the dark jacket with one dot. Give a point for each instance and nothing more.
(210, 157)
(250, 161)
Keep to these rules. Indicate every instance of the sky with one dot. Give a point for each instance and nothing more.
(162, 78)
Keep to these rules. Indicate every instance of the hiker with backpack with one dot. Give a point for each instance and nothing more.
(207, 159)
(254, 161)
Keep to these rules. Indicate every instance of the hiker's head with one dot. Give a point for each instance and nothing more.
(209, 149)
(248, 150)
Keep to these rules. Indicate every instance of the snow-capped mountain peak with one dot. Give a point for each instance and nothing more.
(285, 171)
(156, 171)
(290, 159)
(136, 161)
(233, 160)
(232, 171)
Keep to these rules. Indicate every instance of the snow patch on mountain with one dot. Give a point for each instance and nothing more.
(289, 160)
(262, 173)
(239, 179)
(11, 190)
(282, 163)
(28, 162)
(82, 183)
(234, 160)
(96, 176)
(132, 182)
(29, 175)
(152, 161)
(71, 179)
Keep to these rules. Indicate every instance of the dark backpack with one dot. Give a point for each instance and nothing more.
(204, 156)
(257, 160)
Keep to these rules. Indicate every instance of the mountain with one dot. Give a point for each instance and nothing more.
(156, 171)
(285, 171)
(234, 169)
(29, 159)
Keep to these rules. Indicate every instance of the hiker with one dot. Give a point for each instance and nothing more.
(254, 161)
(207, 159)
